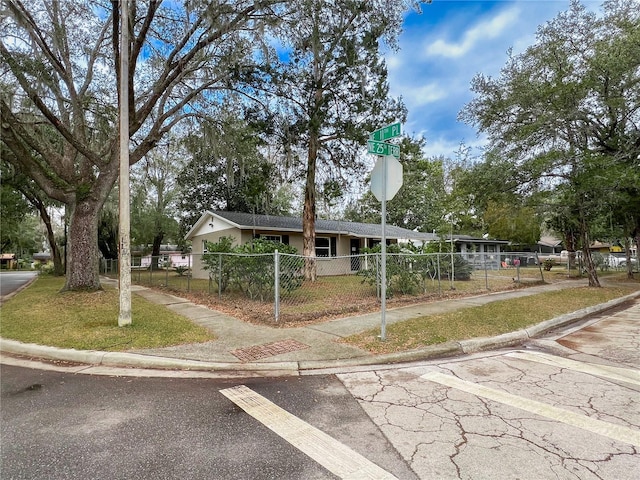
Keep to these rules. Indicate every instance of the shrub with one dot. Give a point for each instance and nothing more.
(219, 270)
(181, 270)
(402, 277)
(250, 268)
(548, 264)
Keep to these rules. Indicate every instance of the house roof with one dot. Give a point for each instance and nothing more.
(548, 241)
(470, 239)
(245, 221)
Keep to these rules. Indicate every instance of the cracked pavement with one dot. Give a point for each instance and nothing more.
(571, 412)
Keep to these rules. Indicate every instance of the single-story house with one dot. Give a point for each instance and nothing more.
(170, 256)
(41, 258)
(8, 261)
(337, 239)
(474, 249)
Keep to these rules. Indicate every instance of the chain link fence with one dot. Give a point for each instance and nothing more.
(272, 288)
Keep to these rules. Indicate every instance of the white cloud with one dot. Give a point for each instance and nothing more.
(419, 95)
(480, 32)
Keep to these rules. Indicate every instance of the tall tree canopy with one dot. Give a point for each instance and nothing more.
(334, 80)
(226, 170)
(566, 115)
(58, 104)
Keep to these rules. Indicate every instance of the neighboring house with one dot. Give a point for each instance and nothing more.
(548, 244)
(41, 258)
(334, 238)
(170, 256)
(474, 249)
(8, 261)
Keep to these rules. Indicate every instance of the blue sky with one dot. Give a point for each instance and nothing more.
(445, 46)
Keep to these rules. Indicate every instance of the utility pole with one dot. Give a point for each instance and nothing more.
(124, 254)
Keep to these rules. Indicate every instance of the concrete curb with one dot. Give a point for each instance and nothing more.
(449, 349)
(18, 290)
(135, 360)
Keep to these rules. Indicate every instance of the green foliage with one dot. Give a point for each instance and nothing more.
(548, 264)
(419, 204)
(59, 113)
(181, 270)
(564, 113)
(409, 268)
(250, 268)
(227, 171)
(508, 221)
(212, 260)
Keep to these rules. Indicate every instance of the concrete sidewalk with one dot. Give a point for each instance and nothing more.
(244, 348)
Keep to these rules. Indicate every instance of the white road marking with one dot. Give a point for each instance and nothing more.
(616, 432)
(328, 452)
(627, 375)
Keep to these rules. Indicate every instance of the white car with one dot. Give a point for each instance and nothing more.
(619, 260)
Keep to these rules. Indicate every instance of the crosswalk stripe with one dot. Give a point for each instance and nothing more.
(616, 432)
(336, 457)
(627, 375)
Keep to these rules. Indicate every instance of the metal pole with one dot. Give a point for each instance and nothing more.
(453, 271)
(276, 260)
(124, 317)
(383, 269)
(220, 275)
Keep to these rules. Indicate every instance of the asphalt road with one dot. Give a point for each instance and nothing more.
(65, 426)
(12, 281)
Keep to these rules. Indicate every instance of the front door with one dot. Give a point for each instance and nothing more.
(355, 252)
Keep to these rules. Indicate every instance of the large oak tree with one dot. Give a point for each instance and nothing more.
(566, 114)
(59, 105)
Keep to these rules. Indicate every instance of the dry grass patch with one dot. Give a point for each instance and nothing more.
(43, 315)
(488, 320)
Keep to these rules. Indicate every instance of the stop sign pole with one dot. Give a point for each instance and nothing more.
(383, 268)
(386, 180)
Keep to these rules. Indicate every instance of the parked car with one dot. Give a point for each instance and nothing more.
(619, 260)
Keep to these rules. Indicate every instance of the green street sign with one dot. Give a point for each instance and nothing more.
(381, 148)
(385, 133)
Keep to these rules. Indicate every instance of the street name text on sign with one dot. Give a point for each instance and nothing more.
(385, 133)
(381, 148)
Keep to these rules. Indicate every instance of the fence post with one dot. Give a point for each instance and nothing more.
(189, 273)
(276, 289)
(220, 275)
(166, 274)
(453, 269)
(439, 281)
(486, 278)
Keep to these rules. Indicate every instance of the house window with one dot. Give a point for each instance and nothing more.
(204, 247)
(323, 247)
(272, 238)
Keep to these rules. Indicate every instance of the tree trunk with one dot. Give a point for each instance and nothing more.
(309, 213)
(82, 246)
(592, 272)
(58, 267)
(34, 198)
(155, 250)
(627, 254)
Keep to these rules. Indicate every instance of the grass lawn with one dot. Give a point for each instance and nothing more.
(89, 321)
(488, 320)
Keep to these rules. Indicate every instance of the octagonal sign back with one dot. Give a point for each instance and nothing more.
(393, 177)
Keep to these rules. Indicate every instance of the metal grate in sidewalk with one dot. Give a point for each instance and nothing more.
(256, 352)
